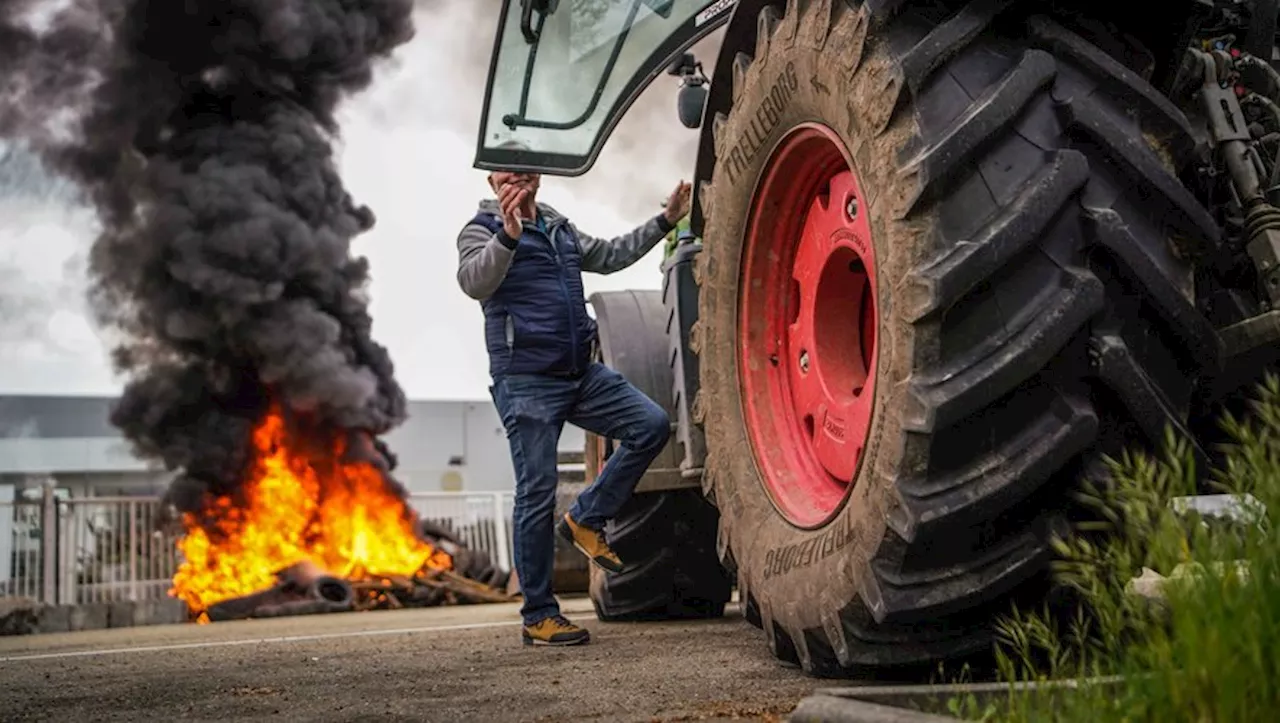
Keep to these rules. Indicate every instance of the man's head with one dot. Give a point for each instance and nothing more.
(498, 179)
(529, 181)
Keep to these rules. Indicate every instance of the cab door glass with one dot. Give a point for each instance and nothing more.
(562, 67)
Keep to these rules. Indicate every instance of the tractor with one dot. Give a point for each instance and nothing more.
(944, 257)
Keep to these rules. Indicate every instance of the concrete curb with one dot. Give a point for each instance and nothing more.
(821, 708)
(907, 703)
(35, 618)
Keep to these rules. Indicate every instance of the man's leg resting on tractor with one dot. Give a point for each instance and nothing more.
(610, 406)
(533, 410)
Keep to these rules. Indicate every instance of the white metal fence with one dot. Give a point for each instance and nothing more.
(110, 548)
(106, 549)
(480, 521)
(22, 568)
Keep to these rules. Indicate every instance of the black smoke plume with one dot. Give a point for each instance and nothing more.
(202, 132)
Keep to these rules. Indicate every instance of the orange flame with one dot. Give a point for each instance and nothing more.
(350, 523)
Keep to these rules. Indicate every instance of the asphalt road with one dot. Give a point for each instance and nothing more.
(441, 664)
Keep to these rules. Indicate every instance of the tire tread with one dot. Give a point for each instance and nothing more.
(1087, 115)
(931, 505)
(955, 390)
(956, 271)
(1163, 116)
(977, 126)
(947, 40)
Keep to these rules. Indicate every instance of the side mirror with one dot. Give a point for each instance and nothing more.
(690, 103)
(692, 99)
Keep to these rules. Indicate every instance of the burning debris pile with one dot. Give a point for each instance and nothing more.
(202, 131)
(304, 589)
(316, 531)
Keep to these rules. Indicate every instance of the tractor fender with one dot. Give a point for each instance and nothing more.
(633, 342)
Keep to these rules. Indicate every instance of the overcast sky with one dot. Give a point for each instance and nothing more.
(407, 151)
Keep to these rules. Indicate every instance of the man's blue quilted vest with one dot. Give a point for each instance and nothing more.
(537, 322)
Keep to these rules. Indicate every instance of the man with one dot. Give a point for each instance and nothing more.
(524, 261)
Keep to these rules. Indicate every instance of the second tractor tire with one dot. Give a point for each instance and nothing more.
(668, 540)
(668, 536)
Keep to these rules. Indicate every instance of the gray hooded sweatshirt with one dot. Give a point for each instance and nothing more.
(484, 257)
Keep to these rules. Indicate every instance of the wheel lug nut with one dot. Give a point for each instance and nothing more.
(851, 208)
(804, 362)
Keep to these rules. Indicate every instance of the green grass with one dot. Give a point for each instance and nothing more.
(1210, 651)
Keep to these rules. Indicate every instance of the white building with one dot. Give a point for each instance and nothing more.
(443, 446)
(67, 446)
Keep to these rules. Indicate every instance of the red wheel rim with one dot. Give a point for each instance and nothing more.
(807, 326)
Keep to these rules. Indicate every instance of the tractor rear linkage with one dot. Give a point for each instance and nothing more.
(1225, 75)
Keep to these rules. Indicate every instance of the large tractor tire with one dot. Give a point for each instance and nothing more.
(668, 536)
(938, 281)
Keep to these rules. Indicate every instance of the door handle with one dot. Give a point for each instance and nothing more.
(526, 20)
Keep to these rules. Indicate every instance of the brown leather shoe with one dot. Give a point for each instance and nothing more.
(590, 543)
(555, 630)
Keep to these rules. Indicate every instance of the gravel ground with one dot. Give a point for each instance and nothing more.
(443, 664)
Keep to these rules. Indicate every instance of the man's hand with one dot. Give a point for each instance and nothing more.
(678, 203)
(511, 198)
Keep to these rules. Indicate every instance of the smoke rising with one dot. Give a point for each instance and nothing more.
(40, 293)
(202, 132)
(20, 307)
(433, 101)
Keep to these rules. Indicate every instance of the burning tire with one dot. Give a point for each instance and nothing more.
(937, 274)
(667, 537)
(468, 562)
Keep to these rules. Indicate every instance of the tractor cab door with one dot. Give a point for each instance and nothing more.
(564, 71)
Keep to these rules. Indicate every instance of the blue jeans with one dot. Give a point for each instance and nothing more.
(534, 410)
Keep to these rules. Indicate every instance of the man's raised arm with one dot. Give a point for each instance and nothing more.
(605, 256)
(483, 260)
